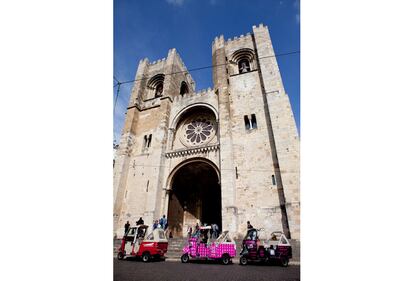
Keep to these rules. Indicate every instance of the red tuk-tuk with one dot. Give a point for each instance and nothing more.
(140, 243)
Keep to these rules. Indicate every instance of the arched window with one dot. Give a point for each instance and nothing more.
(156, 85)
(244, 66)
(184, 88)
(244, 60)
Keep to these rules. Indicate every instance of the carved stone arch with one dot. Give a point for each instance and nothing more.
(155, 80)
(183, 111)
(242, 58)
(193, 195)
(189, 161)
(244, 53)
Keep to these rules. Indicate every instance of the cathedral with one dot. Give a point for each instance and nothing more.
(224, 155)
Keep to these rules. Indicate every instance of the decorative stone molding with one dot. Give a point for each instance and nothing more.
(190, 151)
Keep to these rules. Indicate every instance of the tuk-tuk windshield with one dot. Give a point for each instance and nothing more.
(224, 237)
(279, 237)
(251, 234)
(131, 231)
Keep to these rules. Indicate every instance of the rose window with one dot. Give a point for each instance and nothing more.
(198, 130)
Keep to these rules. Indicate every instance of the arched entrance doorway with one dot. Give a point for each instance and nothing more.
(195, 196)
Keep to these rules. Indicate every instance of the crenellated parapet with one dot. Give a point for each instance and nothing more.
(201, 95)
(158, 61)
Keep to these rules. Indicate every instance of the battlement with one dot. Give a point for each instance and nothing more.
(235, 38)
(198, 94)
(158, 65)
(260, 26)
(157, 61)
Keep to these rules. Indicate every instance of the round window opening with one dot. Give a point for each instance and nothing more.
(198, 130)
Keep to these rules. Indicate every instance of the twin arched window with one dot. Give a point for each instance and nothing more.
(156, 84)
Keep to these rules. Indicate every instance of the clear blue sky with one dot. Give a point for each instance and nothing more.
(150, 28)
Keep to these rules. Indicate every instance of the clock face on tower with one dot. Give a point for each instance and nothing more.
(197, 130)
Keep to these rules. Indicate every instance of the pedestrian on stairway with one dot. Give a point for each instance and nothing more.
(163, 222)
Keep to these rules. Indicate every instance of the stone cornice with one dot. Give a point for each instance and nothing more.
(142, 108)
(193, 150)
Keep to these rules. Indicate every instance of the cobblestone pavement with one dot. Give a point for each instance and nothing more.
(136, 270)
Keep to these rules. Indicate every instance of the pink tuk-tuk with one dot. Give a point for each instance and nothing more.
(202, 248)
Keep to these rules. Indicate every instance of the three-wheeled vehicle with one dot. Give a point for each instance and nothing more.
(277, 248)
(201, 247)
(140, 243)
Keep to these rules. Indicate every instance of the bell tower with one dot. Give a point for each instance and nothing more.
(140, 165)
(259, 146)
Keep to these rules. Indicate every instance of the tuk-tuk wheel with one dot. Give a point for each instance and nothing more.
(185, 258)
(146, 257)
(225, 259)
(243, 260)
(120, 255)
(284, 261)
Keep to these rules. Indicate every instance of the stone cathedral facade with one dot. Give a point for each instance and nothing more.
(225, 155)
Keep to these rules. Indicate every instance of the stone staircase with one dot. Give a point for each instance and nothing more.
(176, 245)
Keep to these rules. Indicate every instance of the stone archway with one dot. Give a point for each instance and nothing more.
(195, 196)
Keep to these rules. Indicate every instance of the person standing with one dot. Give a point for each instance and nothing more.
(155, 225)
(189, 231)
(249, 226)
(163, 222)
(140, 221)
(126, 226)
(215, 230)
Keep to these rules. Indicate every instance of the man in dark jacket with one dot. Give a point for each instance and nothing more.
(126, 226)
(140, 221)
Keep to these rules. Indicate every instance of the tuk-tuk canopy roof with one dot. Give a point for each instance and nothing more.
(205, 227)
(139, 226)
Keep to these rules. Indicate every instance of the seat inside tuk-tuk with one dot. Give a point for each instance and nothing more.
(136, 234)
(202, 235)
(251, 234)
(142, 230)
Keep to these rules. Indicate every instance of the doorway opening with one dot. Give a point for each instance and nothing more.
(195, 196)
